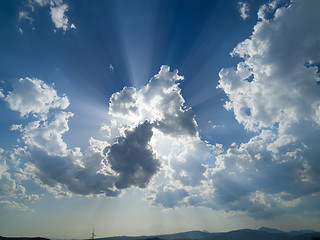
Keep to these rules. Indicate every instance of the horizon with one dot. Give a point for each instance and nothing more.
(190, 231)
(142, 117)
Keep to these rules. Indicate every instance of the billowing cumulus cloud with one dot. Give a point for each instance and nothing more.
(282, 70)
(150, 140)
(48, 135)
(33, 96)
(274, 92)
(160, 102)
(128, 156)
(133, 159)
(174, 140)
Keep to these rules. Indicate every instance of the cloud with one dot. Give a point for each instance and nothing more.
(244, 10)
(281, 80)
(40, 2)
(32, 197)
(58, 11)
(33, 96)
(160, 102)
(175, 140)
(73, 173)
(133, 159)
(187, 162)
(48, 136)
(8, 186)
(23, 15)
(170, 198)
(45, 156)
(151, 139)
(111, 68)
(274, 93)
(15, 205)
(126, 157)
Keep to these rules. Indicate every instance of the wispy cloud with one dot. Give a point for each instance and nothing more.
(15, 205)
(244, 10)
(58, 9)
(111, 68)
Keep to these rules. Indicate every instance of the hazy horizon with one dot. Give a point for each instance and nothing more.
(263, 228)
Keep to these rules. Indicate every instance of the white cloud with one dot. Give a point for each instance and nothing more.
(273, 92)
(152, 139)
(33, 96)
(15, 127)
(160, 102)
(184, 160)
(32, 197)
(8, 186)
(40, 2)
(48, 136)
(281, 81)
(175, 139)
(20, 29)
(23, 15)
(15, 205)
(46, 157)
(58, 11)
(244, 10)
(128, 156)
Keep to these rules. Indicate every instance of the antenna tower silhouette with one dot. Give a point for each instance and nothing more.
(93, 235)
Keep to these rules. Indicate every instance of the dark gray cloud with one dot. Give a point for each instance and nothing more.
(62, 171)
(133, 159)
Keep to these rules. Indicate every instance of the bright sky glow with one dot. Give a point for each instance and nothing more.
(149, 117)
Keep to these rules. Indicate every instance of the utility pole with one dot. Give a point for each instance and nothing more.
(93, 235)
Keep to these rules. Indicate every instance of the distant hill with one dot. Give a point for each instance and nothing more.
(262, 233)
(242, 234)
(295, 233)
(270, 230)
(23, 238)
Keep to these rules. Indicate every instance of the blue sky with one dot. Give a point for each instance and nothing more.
(150, 117)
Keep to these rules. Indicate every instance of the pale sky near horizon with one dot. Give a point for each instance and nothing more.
(147, 117)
